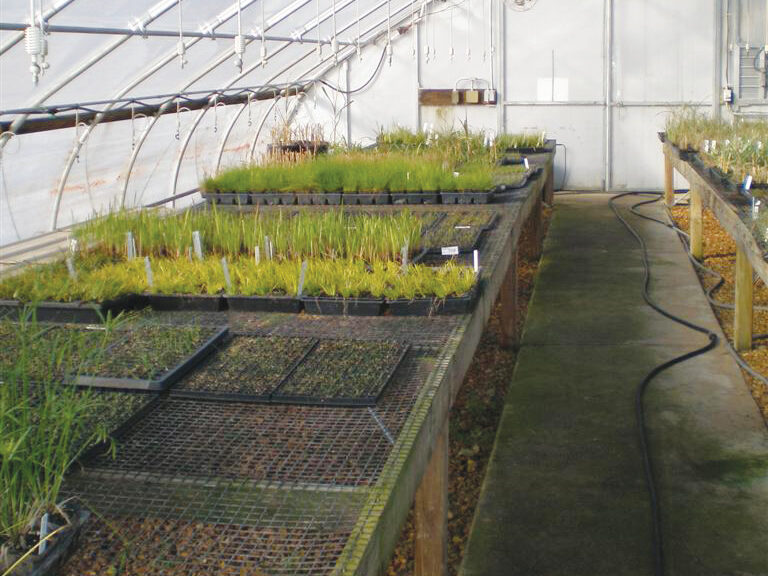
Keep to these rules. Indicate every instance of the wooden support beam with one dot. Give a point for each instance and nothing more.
(742, 319)
(431, 551)
(549, 186)
(508, 297)
(669, 181)
(697, 224)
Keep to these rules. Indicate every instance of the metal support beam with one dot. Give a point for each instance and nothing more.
(209, 34)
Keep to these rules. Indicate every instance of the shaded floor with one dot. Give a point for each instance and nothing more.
(564, 494)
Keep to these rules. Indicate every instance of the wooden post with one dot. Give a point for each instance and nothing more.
(431, 551)
(742, 319)
(508, 296)
(669, 181)
(696, 224)
(549, 185)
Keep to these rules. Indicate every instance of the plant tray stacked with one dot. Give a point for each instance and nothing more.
(296, 371)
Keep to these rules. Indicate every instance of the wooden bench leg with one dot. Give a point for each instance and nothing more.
(508, 313)
(431, 552)
(742, 319)
(697, 224)
(669, 181)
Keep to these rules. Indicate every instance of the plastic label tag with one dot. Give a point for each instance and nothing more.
(748, 182)
(476, 261)
(449, 250)
(197, 244)
(527, 165)
(302, 275)
(148, 270)
(227, 277)
(462, 227)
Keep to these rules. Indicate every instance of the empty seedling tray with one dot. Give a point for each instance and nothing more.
(151, 357)
(245, 368)
(342, 373)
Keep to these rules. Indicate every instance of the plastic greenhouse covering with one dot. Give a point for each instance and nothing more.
(243, 63)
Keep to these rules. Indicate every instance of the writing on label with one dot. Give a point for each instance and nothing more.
(449, 250)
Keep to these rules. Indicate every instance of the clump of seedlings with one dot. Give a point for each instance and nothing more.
(343, 369)
(247, 365)
(460, 229)
(45, 425)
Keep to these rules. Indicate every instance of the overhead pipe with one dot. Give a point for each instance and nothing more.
(209, 34)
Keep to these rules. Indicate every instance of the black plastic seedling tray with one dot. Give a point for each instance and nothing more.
(79, 312)
(287, 304)
(415, 197)
(548, 148)
(467, 197)
(315, 365)
(273, 198)
(190, 302)
(157, 383)
(468, 247)
(244, 377)
(323, 305)
(435, 306)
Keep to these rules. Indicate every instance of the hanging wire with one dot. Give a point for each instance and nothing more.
(77, 132)
(452, 52)
(263, 40)
(239, 38)
(250, 98)
(319, 43)
(469, 29)
(181, 48)
(389, 31)
(425, 9)
(334, 39)
(357, 42)
(415, 48)
(485, 34)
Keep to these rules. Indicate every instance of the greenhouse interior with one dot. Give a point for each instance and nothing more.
(384, 287)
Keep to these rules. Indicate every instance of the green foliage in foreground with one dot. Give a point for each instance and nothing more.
(44, 425)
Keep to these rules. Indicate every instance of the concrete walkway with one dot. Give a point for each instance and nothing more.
(564, 494)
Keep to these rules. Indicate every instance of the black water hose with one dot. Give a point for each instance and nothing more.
(650, 477)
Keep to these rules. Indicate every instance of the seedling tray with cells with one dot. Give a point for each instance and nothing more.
(459, 229)
(342, 373)
(151, 357)
(245, 368)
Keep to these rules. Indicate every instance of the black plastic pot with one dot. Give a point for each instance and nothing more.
(323, 305)
(415, 197)
(366, 198)
(304, 199)
(227, 198)
(287, 304)
(193, 302)
(435, 306)
(273, 198)
(330, 198)
(467, 197)
(58, 547)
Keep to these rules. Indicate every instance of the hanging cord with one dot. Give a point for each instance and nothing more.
(357, 42)
(319, 41)
(415, 47)
(452, 51)
(263, 45)
(239, 38)
(657, 537)
(469, 30)
(334, 39)
(181, 48)
(389, 32)
(364, 85)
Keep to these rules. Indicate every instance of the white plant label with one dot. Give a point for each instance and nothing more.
(73, 245)
(43, 534)
(449, 250)
(130, 246)
(257, 255)
(71, 268)
(302, 276)
(148, 270)
(476, 261)
(462, 227)
(527, 165)
(197, 244)
(404, 256)
(748, 182)
(227, 277)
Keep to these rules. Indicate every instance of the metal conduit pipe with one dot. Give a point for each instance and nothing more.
(608, 118)
(172, 55)
(165, 33)
(155, 12)
(261, 124)
(55, 8)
